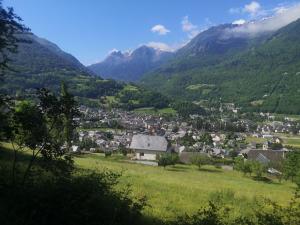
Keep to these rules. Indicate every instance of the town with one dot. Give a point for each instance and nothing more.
(264, 138)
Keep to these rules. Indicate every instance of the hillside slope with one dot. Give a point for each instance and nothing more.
(261, 74)
(40, 63)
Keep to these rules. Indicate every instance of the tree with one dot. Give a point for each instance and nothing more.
(297, 179)
(200, 160)
(240, 164)
(257, 168)
(10, 26)
(39, 128)
(69, 111)
(123, 149)
(5, 114)
(28, 131)
(187, 140)
(206, 138)
(167, 159)
(276, 146)
(291, 165)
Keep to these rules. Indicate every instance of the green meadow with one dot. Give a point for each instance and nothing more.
(155, 112)
(183, 188)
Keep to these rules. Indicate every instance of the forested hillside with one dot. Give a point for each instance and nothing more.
(261, 73)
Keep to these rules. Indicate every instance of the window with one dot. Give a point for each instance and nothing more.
(142, 154)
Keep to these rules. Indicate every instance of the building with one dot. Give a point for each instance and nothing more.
(147, 147)
(266, 157)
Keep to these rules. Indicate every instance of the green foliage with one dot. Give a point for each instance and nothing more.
(258, 169)
(243, 165)
(265, 72)
(200, 160)
(167, 159)
(249, 167)
(187, 140)
(221, 210)
(29, 127)
(206, 138)
(136, 97)
(123, 149)
(69, 111)
(291, 164)
(9, 27)
(185, 109)
(87, 143)
(276, 146)
(38, 128)
(79, 199)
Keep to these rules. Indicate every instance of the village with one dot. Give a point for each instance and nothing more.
(146, 137)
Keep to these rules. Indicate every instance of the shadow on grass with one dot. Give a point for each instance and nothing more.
(264, 179)
(210, 170)
(177, 168)
(8, 154)
(148, 220)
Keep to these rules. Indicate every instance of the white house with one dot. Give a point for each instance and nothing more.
(147, 147)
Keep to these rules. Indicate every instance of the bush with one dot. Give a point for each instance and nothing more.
(83, 199)
(224, 208)
(107, 153)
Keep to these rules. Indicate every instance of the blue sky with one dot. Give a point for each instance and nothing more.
(90, 29)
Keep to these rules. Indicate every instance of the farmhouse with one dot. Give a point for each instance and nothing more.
(146, 147)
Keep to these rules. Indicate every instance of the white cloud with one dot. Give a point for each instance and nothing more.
(253, 8)
(160, 29)
(239, 22)
(187, 26)
(161, 46)
(279, 19)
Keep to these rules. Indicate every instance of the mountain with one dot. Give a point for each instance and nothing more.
(130, 66)
(258, 72)
(40, 55)
(40, 63)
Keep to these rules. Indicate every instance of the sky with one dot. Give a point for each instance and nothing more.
(91, 29)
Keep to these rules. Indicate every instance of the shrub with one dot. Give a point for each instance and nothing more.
(107, 153)
(83, 199)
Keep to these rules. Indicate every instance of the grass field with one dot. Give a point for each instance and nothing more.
(288, 140)
(257, 140)
(152, 111)
(183, 188)
(292, 141)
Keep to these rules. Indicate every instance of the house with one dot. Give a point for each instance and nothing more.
(147, 147)
(266, 145)
(75, 148)
(265, 157)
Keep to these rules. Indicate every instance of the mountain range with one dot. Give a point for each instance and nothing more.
(40, 63)
(258, 72)
(130, 66)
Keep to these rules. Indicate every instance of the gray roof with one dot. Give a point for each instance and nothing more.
(266, 155)
(147, 142)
